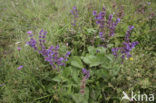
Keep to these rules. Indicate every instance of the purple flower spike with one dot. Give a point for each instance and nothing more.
(128, 33)
(117, 21)
(105, 24)
(101, 34)
(74, 12)
(86, 73)
(127, 46)
(20, 67)
(51, 54)
(114, 51)
(41, 32)
(110, 17)
(68, 53)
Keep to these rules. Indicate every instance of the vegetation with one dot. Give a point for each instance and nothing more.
(76, 51)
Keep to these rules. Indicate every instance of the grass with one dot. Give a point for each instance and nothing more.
(36, 82)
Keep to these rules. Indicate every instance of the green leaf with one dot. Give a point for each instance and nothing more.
(91, 60)
(76, 62)
(57, 79)
(74, 74)
(102, 50)
(96, 60)
(91, 50)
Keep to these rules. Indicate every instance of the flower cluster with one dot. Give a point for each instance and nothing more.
(51, 54)
(86, 73)
(32, 43)
(53, 57)
(105, 26)
(74, 12)
(83, 82)
(127, 46)
(128, 33)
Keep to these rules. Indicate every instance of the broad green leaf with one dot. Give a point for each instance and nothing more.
(76, 62)
(91, 50)
(92, 60)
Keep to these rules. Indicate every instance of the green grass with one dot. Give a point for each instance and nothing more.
(36, 82)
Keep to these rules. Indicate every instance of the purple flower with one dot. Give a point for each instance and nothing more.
(18, 48)
(40, 33)
(86, 73)
(114, 51)
(110, 17)
(117, 21)
(51, 54)
(94, 13)
(105, 24)
(74, 12)
(128, 33)
(130, 28)
(127, 46)
(29, 32)
(74, 8)
(32, 43)
(125, 50)
(101, 34)
(20, 67)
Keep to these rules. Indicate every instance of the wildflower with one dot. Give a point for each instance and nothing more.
(131, 58)
(32, 43)
(105, 24)
(94, 13)
(74, 12)
(20, 67)
(127, 46)
(51, 54)
(83, 82)
(128, 33)
(18, 48)
(114, 51)
(29, 32)
(86, 73)
(117, 21)
(100, 34)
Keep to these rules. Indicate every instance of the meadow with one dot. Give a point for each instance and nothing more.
(77, 51)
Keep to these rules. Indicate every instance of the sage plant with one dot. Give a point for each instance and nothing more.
(106, 25)
(50, 54)
(86, 74)
(127, 46)
(74, 12)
